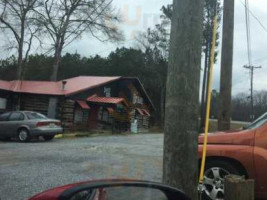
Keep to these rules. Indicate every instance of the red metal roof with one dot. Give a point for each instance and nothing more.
(146, 112)
(109, 100)
(83, 105)
(140, 111)
(73, 85)
(5, 85)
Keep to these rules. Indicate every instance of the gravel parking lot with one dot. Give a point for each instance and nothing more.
(29, 168)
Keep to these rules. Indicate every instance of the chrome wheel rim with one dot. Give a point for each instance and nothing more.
(23, 135)
(213, 182)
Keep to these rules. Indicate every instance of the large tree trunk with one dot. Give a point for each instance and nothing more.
(52, 106)
(55, 66)
(20, 62)
(162, 104)
(20, 58)
(224, 117)
(19, 72)
(180, 163)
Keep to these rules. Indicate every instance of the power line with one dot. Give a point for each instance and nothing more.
(254, 16)
(250, 67)
(248, 31)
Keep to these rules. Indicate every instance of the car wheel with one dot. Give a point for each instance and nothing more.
(23, 135)
(214, 178)
(48, 137)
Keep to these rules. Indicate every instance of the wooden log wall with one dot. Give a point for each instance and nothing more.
(66, 112)
(81, 118)
(37, 103)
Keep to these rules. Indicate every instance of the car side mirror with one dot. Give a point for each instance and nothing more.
(123, 190)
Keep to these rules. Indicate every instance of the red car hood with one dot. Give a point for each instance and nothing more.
(238, 137)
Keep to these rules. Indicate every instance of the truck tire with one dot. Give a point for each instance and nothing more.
(213, 183)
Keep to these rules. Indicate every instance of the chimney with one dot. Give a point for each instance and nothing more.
(64, 84)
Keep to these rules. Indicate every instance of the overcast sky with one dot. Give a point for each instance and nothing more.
(139, 15)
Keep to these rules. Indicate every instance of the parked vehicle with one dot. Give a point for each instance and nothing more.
(112, 190)
(27, 124)
(241, 152)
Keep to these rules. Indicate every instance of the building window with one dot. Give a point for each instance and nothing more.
(78, 116)
(105, 116)
(3, 103)
(137, 99)
(140, 100)
(134, 98)
(120, 108)
(100, 113)
(107, 92)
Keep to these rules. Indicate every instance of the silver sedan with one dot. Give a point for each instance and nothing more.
(27, 124)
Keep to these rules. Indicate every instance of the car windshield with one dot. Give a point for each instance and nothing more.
(258, 123)
(34, 115)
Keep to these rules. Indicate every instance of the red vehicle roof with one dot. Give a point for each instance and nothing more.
(73, 85)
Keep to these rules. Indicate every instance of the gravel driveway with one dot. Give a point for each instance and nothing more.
(29, 168)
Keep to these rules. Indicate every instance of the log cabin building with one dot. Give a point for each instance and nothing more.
(84, 102)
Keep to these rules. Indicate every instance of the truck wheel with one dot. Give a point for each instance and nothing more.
(23, 135)
(214, 178)
(48, 137)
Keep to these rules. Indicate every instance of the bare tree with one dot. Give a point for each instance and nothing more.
(66, 21)
(180, 164)
(15, 18)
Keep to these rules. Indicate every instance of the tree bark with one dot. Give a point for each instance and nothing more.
(224, 118)
(180, 164)
(20, 61)
(20, 57)
(52, 106)
(20, 48)
(55, 67)
(162, 104)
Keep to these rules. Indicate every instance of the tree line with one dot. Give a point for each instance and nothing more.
(121, 62)
(241, 105)
(126, 62)
(53, 25)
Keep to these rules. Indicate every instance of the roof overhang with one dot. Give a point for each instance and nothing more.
(83, 105)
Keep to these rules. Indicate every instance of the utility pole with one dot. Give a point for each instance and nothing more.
(251, 69)
(180, 161)
(224, 117)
